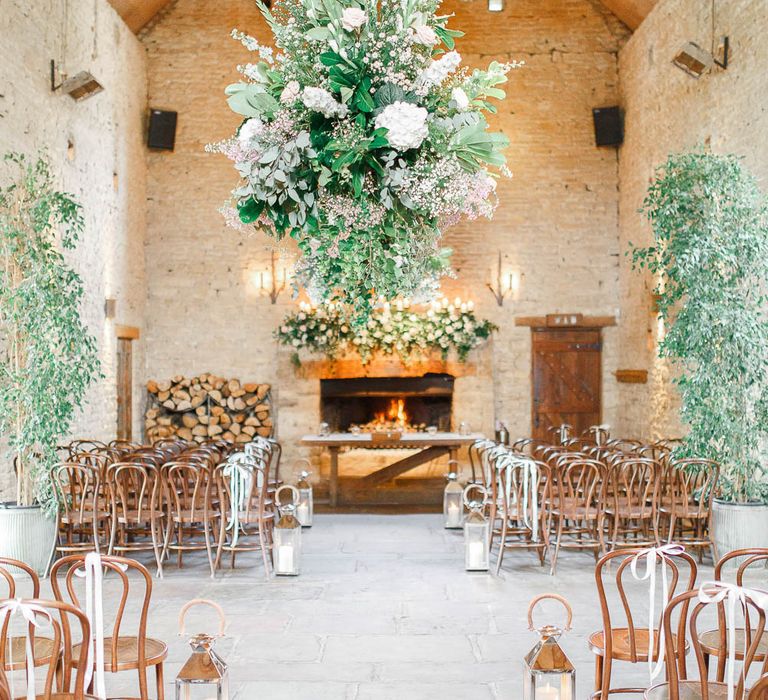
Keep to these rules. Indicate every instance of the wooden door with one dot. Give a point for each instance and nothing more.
(124, 388)
(566, 379)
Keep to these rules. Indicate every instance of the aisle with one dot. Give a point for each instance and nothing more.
(382, 610)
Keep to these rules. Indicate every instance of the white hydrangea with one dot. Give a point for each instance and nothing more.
(460, 98)
(290, 92)
(406, 125)
(320, 100)
(437, 71)
(250, 130)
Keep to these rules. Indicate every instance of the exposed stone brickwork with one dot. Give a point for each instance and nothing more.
(557, 223)
(104, 167)
(668, 111)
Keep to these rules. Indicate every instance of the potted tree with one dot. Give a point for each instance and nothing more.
(710, 259)
(47, 357)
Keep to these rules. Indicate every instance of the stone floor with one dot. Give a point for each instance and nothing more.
(383, 609)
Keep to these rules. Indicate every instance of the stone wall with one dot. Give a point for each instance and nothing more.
(669, 111)
(557, 224)
(96, 150)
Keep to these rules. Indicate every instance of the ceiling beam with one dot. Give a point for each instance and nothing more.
(138, 13)
(631, 12)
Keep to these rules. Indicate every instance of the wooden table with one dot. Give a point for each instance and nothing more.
(430, 446)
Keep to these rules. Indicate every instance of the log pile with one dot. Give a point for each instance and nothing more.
(208, 407)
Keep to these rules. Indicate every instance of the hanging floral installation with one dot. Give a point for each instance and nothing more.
(391, 329)
(362, 139)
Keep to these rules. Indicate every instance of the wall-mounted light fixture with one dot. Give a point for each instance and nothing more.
(110, 308)
(495, 5)
(268, 282)
(505, 284)
(78, 87)
(696, 61)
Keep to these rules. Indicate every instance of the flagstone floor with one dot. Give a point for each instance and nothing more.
(383, 610)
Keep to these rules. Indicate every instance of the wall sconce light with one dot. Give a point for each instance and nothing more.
(267, 281)
(505, 284)
(495, 5)
(78, 87)
(696, 61)
(110, 308)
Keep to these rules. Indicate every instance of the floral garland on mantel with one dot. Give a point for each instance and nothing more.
(391, 329)
(362, 139)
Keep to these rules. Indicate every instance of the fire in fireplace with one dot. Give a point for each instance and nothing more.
(409, 404)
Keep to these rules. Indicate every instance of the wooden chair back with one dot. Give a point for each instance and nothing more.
(759, 691)
(8, 589)
(85, 445)
(689, 485)
(514, 489)
(188, 488)
(687, 607)
(253, 503)
(67, 578)
(135, 491)
(579, 488)
(57, 620)
(633, 484)
(681, 572)
(78, 488)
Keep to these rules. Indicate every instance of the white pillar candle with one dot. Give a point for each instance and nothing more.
(285, 558)
(476, 555)
(454, 515)
(548, 693)
(302, 513)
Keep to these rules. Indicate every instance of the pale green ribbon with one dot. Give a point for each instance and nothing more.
(530, 474)
(239, 470)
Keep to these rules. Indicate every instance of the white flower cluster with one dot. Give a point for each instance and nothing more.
(266, 53)
(249, 131)
(406, 125)
(437, 71)
(353, 18)
(290, 93)
(320, 100)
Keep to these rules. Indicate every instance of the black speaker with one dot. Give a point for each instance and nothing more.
(162, 129)
(609, 127)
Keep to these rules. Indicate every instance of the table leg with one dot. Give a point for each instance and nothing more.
(334, 486)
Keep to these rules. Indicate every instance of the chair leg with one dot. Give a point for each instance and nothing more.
(502, 542)
(598, 675)
(156, 549)
(208, 549)
(143, 683)
(605, 683)
(559, 535)
(263, 544)
(160, 682)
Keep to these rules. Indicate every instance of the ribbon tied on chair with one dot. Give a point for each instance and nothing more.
(732, 595)
(653, 556)
(530, 474)
(35, 616)
(239, 471)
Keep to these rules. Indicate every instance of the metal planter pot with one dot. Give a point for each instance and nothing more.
(738, 526)
(28, 535)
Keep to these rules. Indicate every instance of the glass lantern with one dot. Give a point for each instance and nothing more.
(286, 544)
(549, 674)
(305, 508)
(477, 531)
(205, 672)
(453, 502)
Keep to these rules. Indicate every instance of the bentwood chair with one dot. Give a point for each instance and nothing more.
(759, 691)
(687, 489)
(631, 502)
(711, 642)
(577, 513)
(247, 513)
(13, 649)
(58, 619)
(687, 608)
(82, 512)
(524, 487)
(621, 639)
(137, 507)
(191, 522)
(122, 652)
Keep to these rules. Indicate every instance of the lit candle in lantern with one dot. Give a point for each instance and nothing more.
(285, 558)
(476, 554)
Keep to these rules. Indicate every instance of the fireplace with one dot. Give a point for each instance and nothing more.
(386, 403)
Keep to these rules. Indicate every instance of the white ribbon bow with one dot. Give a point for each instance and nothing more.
(530, 471)
(34, 615)
(653, 556)
(94, 610)
(718, 592)
(240, 474)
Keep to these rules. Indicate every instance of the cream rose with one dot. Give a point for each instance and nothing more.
(424, 34)
(353, 18)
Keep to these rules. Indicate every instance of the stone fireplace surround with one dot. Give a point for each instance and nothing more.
(298, 404)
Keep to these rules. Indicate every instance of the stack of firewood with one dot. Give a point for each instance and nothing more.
(208, 408)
